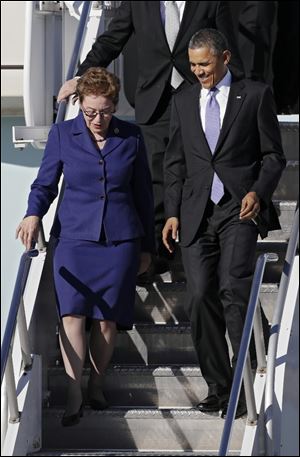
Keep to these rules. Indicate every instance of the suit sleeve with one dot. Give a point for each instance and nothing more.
(272, 157)
(224, 24)
(174, 166)
(143, 196)
(45, 187)
(110, 44)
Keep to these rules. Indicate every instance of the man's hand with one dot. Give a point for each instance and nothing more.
(250, 206)
(145, 262)
(28, 230)
(170, 232)
(67, 89)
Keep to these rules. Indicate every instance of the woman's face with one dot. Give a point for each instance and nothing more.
(97, 111)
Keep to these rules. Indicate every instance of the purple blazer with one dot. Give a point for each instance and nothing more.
(108, 189)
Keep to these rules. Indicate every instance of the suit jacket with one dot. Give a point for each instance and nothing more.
(108, 189)
(248, 155)
(155, 60)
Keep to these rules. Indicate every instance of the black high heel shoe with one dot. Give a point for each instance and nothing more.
(73, 419)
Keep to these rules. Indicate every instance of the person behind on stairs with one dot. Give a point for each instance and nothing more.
(104, 229)
(223, 163)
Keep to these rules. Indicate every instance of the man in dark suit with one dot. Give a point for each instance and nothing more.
(222, 165)
(163, 69)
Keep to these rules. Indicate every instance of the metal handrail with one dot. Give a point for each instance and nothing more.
(14, 307)
(75, 56)
(242, 356)
(275, 329)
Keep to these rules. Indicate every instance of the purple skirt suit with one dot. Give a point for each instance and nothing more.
(104, 221)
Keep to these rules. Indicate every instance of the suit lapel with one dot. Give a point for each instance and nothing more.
(188, 13)
(156, 14)
(83, 139)
(236, 99)
(114, 138)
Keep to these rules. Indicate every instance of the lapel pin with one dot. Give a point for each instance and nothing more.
(238, 96)
(116, 130)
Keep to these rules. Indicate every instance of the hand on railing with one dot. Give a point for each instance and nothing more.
(28, 231)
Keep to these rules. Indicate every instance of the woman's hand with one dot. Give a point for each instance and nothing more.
(145, 262)
(28, 231)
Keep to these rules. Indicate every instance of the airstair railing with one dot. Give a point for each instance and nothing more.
(16, 316)
(75, 55)
(243, 367)
(275, 329)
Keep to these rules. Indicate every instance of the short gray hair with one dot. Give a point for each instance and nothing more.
(209, 38)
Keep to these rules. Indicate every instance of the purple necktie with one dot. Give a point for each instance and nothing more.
(212, 131)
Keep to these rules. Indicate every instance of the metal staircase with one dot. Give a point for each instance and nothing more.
(154, 382)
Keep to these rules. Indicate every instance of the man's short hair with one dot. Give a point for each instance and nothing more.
(209, 38)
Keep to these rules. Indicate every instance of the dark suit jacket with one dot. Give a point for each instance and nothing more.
(110, 189)
(248, 155)
(155, 60)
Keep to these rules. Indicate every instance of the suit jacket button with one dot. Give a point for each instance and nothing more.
(101, 162)
(101, 179)
(102, 197)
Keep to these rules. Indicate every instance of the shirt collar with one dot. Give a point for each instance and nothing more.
(179, 4)
(223, 86)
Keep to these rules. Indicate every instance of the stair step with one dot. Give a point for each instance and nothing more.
(286, 212)
(140, 430)
(164, 303)
(290, 139)
(169, 386)
(129, 452)
(288, 186)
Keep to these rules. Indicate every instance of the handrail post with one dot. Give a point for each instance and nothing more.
(41, 241)
(259, 341)
(24, 337)
(249, 392)
(14, 415)
(4, 412)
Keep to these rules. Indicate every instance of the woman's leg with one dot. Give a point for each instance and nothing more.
(102, 342)
(73, 348)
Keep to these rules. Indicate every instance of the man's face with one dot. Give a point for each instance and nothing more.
(208, 68)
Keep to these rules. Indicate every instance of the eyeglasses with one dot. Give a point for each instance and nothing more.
(93, 113)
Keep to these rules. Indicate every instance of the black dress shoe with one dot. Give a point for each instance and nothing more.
(241, 410)
(73, 419)
(210, 404)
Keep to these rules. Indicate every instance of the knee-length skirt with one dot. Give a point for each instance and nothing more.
(97, 279)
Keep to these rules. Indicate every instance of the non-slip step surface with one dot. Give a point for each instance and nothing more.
(131, 453)
(139, 386)
(140, 429)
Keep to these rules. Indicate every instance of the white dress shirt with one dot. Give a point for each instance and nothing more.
(221, 97)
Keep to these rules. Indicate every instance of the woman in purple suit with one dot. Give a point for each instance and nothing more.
(104, 229)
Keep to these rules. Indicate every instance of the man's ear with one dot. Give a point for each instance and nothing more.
(226, 57)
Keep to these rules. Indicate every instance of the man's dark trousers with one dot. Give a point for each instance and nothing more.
(219, 266)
